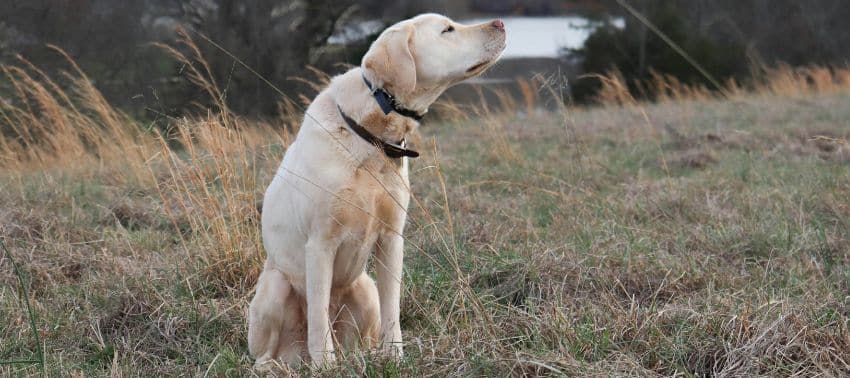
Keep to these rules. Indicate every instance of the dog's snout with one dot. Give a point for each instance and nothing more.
(498, 24)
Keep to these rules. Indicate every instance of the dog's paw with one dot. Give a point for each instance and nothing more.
(322, 360)
(268, 366)
(393, 350)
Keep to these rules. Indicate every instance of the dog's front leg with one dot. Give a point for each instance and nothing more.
(390, 256)
(319, 276)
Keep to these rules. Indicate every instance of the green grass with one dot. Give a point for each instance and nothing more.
(703, 238)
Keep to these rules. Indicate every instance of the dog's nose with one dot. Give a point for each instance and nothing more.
(498, 24)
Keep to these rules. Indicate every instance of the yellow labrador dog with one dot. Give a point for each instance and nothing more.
(342, 192)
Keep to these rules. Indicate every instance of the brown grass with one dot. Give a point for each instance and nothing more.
(782, 80)
(203, 168)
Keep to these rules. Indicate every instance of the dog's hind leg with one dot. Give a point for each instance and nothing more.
(358, 321)
(276, 326)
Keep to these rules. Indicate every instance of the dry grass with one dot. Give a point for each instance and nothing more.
(694, 236)
(783, 80)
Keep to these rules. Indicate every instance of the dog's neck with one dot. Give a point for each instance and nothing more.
(358, 103)
(423, 96)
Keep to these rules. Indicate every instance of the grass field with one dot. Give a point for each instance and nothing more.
(693, 236)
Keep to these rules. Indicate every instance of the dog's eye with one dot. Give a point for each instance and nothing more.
(449, 29)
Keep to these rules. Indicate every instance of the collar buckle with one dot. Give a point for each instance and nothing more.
(388, 103)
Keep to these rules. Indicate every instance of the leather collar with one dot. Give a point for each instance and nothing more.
(388, 103)
(392, 150)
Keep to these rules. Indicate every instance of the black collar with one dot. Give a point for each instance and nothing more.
(388, 103)
(392, 150)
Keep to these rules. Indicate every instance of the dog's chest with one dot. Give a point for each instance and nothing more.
(373, 204)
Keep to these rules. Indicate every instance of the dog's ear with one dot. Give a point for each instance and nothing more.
(389, 62)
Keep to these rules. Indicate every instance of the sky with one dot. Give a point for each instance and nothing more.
(543, 37)
(528, 37)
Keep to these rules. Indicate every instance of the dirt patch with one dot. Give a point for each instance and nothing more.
(126, 314)
(132, 214)
(681, 141)
(646, 287)
(72, 271)
(18, 224)
(827, 144)
(698, 151)
(537, 278)
(691, 159)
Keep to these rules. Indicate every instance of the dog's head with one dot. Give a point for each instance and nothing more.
(431, 51)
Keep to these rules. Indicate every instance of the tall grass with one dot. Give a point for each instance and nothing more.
(47, 126)
(782, 80)
(203, 167)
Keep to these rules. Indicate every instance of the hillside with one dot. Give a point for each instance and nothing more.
(693, 236)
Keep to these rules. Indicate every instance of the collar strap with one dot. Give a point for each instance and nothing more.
(388, 103)
(392, 150)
